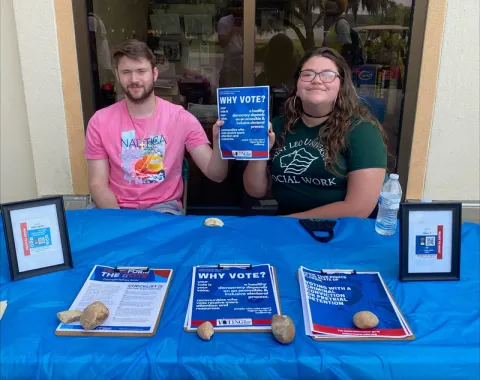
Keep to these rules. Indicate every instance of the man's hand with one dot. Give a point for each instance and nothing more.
(216, 129)
(209, 160)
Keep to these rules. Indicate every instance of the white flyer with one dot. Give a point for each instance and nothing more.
(133, 296)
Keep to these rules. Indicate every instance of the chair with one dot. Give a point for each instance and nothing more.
(72, 201)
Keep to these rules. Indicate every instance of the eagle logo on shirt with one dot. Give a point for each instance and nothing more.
(297, 162)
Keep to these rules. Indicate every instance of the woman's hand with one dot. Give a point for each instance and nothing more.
(219, 123)
(271, 136)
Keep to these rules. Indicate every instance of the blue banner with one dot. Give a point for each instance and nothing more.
(245, 111)
(334, 299)
(233, 297)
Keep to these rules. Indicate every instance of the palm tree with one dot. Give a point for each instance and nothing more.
(302, 11)
(373, 7)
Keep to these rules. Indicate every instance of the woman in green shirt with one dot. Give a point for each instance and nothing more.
(328, 153)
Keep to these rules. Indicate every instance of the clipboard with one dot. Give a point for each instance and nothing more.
(364, 338)
(237, 330)
(120, 333)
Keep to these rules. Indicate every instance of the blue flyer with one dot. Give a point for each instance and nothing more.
(332, 299)
(429, 241)
(426, 245)
(39, 237)
(233, 297)
(245, 111)
(36, 236)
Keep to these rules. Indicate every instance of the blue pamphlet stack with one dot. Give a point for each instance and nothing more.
(233, 297)
(331, 298)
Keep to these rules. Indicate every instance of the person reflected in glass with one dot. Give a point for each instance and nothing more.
(230, 38)
(101, 64)
(278, 73)
(339, 34)
(328, 153)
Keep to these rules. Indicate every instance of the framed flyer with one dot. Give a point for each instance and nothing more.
(36, 237)
(430, 241)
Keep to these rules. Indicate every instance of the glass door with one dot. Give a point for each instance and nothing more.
(198, 48)
(378, 35)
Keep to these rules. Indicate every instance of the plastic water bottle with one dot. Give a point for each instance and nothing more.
(388, 205)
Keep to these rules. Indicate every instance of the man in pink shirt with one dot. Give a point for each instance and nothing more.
(135, 147)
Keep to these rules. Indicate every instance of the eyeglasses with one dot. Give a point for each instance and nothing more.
(326, 76)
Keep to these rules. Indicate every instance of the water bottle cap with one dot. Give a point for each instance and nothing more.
(394, 176)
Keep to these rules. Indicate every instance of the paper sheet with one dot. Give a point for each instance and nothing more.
(233, 298)
(134, 298)
(329, 300)
(3, 307)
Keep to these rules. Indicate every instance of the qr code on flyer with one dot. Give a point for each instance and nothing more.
(430, 241)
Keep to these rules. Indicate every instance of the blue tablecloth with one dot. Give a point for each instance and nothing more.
(443, 315)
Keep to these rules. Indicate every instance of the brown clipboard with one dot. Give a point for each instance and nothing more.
(366, 338)
(123, 334)
(249, 330)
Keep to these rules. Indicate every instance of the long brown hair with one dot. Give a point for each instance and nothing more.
(346, 109)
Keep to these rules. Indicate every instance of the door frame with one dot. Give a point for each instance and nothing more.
(408, 111)
(80, 9)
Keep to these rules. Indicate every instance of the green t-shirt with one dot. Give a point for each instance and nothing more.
(300, 180)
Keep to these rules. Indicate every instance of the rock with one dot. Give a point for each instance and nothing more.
(365, 320)
(69, 316)
(93, 315)
(283, 328)
(213, 222)
(205, 330)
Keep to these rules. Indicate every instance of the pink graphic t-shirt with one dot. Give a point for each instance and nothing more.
(145, 155)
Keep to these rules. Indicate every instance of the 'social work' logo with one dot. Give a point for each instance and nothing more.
(297, 162)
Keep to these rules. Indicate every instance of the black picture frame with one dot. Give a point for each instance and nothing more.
(171, 49)
(8, 210)
(406, 272)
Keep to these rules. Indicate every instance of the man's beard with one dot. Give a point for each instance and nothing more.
(139, 100)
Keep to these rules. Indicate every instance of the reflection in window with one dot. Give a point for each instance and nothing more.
(371, 35)
(198, 48)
